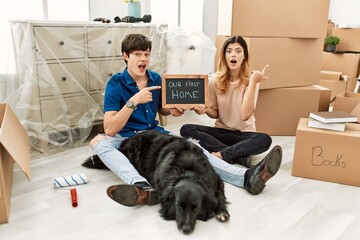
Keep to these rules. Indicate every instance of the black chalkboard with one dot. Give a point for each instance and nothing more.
(184, 90)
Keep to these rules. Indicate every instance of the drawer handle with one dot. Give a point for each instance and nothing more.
(109, 42)
(63, 78)
(62, 43)
(110, 74)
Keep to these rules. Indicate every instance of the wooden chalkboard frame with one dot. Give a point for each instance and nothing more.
(166, 103)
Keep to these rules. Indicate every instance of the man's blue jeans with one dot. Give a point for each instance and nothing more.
(119, 164)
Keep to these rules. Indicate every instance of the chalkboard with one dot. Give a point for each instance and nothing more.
(184, 90)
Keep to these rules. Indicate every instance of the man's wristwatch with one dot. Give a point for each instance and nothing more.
(131, 105)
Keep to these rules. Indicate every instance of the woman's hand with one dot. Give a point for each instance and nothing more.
(200, 109)
(257, 76)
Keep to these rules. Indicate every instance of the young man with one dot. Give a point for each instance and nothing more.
(132, 99)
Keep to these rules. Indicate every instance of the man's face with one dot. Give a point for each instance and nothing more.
(137, 62)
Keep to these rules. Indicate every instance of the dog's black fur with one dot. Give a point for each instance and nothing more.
(188, 186)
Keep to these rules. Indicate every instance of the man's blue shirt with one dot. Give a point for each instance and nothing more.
(120, 88)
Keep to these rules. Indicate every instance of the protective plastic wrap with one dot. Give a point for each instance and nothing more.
(189, 52)
(63, 68)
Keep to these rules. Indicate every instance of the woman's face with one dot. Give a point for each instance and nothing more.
(234, 55)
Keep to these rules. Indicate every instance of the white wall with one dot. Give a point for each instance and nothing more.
(210, 25)
(341, 12)
(111, 8)
(204, 18)
(345, 12)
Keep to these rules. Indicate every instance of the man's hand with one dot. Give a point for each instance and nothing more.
(177, 111)
(144, 95)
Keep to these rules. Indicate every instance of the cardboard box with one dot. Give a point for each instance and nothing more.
(332, 75)
(346, 101)
(351, 84)
(219, 41)
(278, 110)
(280, 18)
(330, 26)
(349, 39)
(327, 155)
(14, 147)
(293, 62)
(336, 86)
(347, 63)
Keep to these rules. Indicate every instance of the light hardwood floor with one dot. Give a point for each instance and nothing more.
(288, 208)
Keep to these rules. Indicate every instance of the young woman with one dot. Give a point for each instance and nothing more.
(232, 100)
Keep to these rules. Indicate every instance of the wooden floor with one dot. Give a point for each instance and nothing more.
(288, 208)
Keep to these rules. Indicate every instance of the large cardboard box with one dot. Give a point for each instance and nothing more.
(332, 75)
(14, 147)
(347, 63)
(346, 101)
(280, 18)
(336, 86)
(219, 41)
(293, 62)
(327, 155)
(351, 84)
(330, 26)
(349, 39)
(278, 110)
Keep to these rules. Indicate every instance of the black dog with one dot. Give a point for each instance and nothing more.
(187, 185)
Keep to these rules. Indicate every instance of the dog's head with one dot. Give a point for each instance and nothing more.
(191, 203)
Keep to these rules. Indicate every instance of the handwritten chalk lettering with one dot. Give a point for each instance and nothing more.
(192, 84)
(174, 84)
(176, 94)
(318, 159)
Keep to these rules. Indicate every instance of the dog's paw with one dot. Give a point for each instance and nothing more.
(223, 216)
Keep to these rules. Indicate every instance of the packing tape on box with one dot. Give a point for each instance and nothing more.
(72, 180)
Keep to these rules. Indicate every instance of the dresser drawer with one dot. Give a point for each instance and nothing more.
(55, 117)
(66, 77)
(101, 71)
(105, 41)
(59, 42)
(142, 30)
(99, 99)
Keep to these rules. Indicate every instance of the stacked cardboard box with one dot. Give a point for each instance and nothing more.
(347, 64)
(335, 81)
(349, 39)
(279, 34)
(277, 18)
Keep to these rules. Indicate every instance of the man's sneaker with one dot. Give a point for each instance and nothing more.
(133, 195)
(258, 175)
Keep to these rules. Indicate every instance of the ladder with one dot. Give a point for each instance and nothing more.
(357, 85)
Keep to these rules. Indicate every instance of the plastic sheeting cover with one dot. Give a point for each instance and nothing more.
(63, 67)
